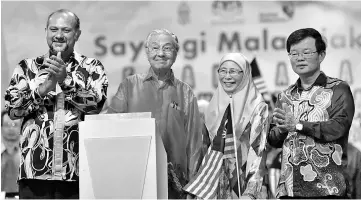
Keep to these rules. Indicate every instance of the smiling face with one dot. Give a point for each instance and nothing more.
(161, 52)
(232, 78)
(310, 65)
(61, 33)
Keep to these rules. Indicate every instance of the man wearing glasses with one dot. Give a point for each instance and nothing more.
(311, 123)
(172, 104)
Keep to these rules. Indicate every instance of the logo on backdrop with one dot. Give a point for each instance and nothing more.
(188, 76)
(227, 12)
(346, 72)
(288, 8)
(284, 13)
(184, 13)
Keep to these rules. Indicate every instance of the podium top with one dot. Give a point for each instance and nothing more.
(112, 116)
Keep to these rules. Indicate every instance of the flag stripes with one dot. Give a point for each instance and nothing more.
(260, 84)
(205, 183)
(229, 151)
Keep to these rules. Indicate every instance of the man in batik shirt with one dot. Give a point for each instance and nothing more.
(172, 104)
(52, 93)
(312, 122)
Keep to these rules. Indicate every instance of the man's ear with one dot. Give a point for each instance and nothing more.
(77, 35)
(321, 56)
(175, 56)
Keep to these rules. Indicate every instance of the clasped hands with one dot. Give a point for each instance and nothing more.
(284, 119)
(56, 68)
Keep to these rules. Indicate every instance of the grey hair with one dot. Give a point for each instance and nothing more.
(165, 32)
(77, 21)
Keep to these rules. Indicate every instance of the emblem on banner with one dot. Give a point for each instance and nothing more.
(282, 79)
(188, 76)
(346, 72)
(183, 13)
(284, 13)
(227, 12)
(288, 8)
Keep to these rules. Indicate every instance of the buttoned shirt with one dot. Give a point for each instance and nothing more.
(175, 109)
(85, 89)
(314, 158)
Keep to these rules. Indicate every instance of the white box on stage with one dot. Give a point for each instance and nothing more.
(121, 157)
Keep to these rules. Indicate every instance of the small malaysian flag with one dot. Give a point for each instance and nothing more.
(205, 184)
(206, 181)
(259, 82)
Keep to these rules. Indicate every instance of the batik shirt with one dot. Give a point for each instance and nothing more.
(314, 159)
(175, 109)
(85, 89)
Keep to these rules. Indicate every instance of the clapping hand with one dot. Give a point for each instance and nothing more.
(284, 119)
(56, 68)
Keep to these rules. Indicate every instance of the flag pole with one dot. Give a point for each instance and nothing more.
(235, 146)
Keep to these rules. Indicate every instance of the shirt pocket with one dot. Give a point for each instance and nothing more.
(174, 137)
(175, 118)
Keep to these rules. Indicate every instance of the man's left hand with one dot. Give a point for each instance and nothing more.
(56, 66)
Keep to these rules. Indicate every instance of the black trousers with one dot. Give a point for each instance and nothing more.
(11, 195)
(48, 189)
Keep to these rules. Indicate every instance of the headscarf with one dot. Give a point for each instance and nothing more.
(246, 103)
(244, 99)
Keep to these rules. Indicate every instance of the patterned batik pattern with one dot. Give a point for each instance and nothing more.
(309, 165)
(85, 89)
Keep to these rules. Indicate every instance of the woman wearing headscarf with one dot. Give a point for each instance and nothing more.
(237, 124)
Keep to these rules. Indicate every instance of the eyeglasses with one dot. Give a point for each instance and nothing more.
(165, 49)
(232, 72)
(306, 55)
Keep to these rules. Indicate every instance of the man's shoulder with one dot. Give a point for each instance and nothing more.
(28, 61)
(87, 60)
(134, 78)
(332, 82)
(290, 88)
(181, 84)
(31, 63)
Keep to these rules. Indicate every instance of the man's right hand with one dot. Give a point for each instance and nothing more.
(279, 116)
(284, 119)
(57, 73)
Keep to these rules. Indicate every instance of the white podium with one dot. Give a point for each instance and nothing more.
(121, 157)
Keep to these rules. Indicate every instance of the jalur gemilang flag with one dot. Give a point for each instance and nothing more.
(259, 82)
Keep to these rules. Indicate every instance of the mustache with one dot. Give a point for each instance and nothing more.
(59, 40)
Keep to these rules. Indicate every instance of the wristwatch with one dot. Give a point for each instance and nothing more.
(299, 127)
(66, 81)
